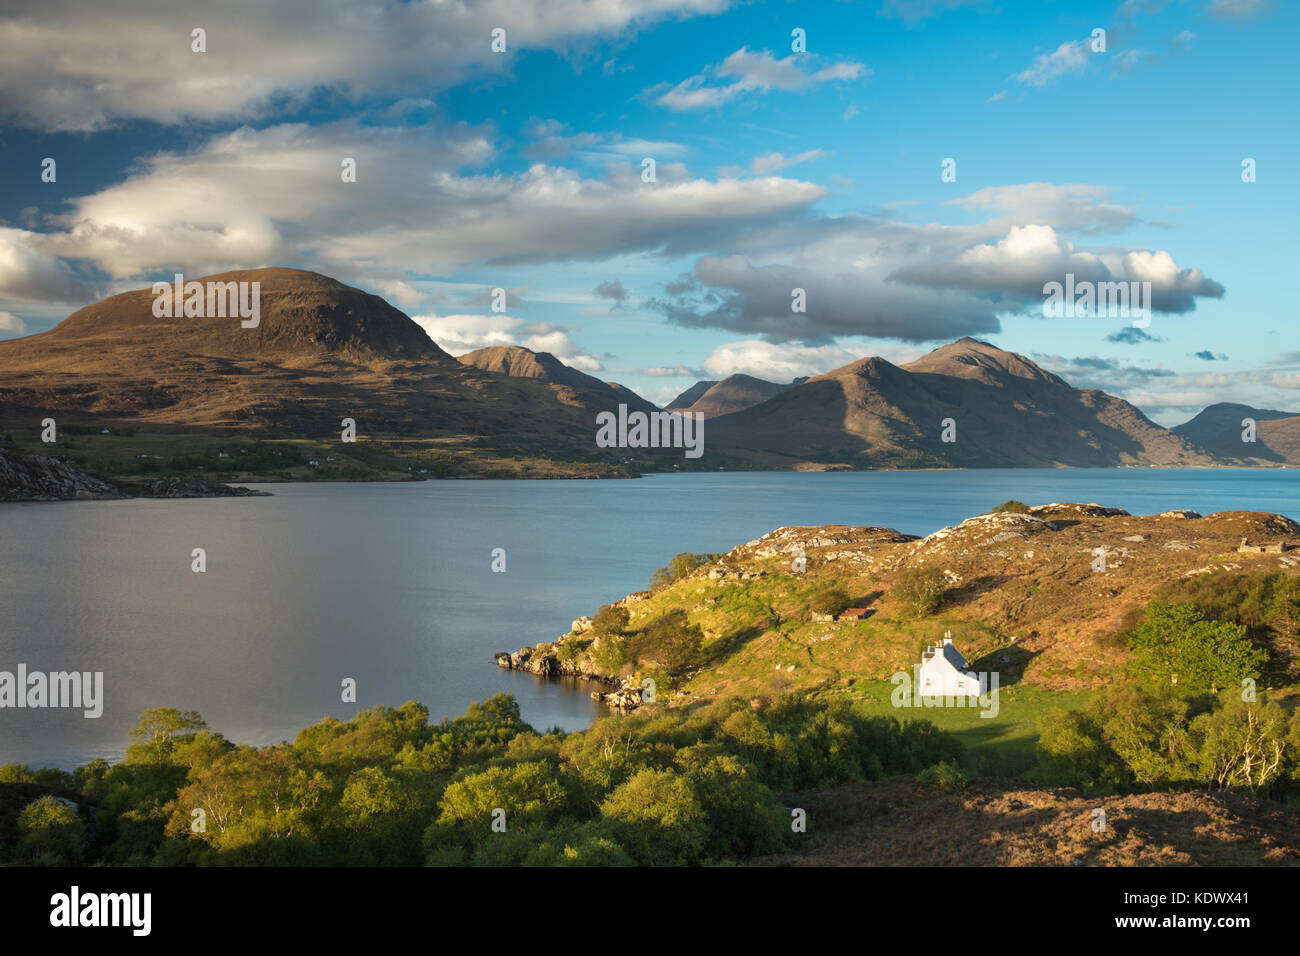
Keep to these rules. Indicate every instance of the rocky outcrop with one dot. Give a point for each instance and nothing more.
(545, 660)
(28, 477)
(178, 487)
(627, 697)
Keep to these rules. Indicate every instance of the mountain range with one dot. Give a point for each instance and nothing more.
(323, 351)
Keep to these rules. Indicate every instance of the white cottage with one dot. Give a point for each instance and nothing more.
(943, 672)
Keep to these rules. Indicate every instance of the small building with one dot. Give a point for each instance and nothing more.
(855, 614)
(1277, 548)
(944, 672)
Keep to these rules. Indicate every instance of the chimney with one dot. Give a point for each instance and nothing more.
(947, 637)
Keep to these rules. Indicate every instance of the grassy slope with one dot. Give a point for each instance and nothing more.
(1023, 601)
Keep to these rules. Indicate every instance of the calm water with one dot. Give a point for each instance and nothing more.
(390, 584)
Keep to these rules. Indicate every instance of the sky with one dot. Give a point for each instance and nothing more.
(919, 168)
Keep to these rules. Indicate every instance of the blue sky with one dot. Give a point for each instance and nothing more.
(775, 169)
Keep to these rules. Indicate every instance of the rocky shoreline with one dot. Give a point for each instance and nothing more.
(28, 477)
(545, 660)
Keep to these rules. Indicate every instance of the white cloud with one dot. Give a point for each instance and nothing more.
(73, 66)
(777, 363)
(458, 334)
(30, 274)
(12, 323)
(758, 72)
(669, 371)
(1028, 257)
(775, 162)
(1070, 57)
(259, 197)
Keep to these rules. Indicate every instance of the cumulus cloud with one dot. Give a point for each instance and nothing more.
(30, 273)
(12, 323)
(275, 195)
(744, 72)
(776, 363)
(458, 334)
(734, 293)
(1020, 264)
(65, 69)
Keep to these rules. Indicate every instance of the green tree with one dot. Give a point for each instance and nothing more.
(674, 641)
(158, 733)
(1177, 645)
(1073, 752)
(610, 621)
(920, 589)
(656, 818)
(1241, 744)
(52, 833)
(681, 565)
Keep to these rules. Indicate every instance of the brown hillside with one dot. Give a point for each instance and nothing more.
(519, 362)
(1008, 413)
(734, 393)
(894, 822)
(322, 351)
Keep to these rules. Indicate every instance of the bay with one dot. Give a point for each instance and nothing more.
(391, 584)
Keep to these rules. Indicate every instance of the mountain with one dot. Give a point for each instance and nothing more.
(322, 351)
(733, 394)
(1218, 428)
(519, 362)
(1214, 420)
(688, 398)
(1005, 411)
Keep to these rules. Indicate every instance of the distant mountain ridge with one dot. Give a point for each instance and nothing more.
(1000, 409)
(689, 397)
(1219, 428)
(519, 362)
(323, 351)
(733, 394)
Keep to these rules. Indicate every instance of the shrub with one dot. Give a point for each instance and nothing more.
(680, 566)
(1011, 504)
(52, 833)
(611, 619)
(921, 589)
(674, 641)
(832, 599)
(945, 775)
(609, 653)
